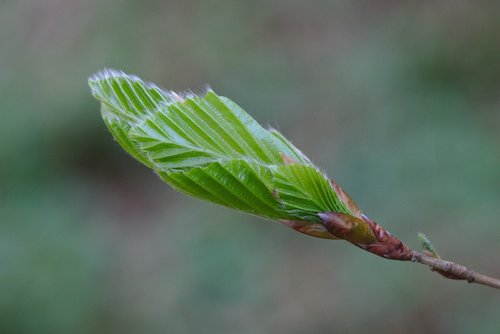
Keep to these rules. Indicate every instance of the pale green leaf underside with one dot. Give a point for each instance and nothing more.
(208, 147)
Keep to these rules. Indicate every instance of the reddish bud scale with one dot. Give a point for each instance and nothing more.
(366, 234)
(387, 245)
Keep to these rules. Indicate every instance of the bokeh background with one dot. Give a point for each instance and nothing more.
(398, 101)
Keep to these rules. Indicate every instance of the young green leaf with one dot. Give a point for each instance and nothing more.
(208, 147)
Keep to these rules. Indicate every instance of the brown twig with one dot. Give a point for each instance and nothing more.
(453, 270)
(370, 236)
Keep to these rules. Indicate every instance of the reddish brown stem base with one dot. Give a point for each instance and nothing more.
(366, 234)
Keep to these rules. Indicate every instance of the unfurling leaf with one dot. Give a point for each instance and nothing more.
(206, 146)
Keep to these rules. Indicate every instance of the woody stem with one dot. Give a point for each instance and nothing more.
(453, 270)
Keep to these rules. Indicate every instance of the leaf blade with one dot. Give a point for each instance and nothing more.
(210, 148)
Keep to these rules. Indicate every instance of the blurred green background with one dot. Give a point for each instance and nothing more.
(399, 102)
